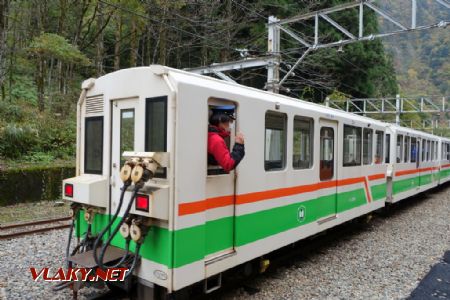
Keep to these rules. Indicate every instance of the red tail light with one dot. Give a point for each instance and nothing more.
(142, 203)
(68, 190)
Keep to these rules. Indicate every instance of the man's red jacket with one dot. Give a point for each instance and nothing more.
(218, 153)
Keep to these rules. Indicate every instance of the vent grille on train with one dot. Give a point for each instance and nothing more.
(94, 105)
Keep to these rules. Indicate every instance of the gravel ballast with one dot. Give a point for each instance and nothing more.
(383, 260)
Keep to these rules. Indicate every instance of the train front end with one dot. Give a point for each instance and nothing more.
(120, 196)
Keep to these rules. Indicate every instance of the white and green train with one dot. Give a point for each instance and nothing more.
(307, 168)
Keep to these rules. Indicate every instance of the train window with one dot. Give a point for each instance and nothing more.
(352, 146)
(424, 150)
(93, 145)
(126, 132)
(326, 153)
(379, 139)
(433, 157)
(435, 150)
(275, 141)
(156, 128)
(428, 150)
(443, 153)
(448, 151)
(387, 158)
(367, 146)
(407, 148)
(399, 148)
(302, 155)
(413, 153)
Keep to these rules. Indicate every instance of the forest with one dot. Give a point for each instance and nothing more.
(48, 47)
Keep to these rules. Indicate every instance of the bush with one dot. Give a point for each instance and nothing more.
(36, 157)
(10, 112)
(16, 140)
(57, 137)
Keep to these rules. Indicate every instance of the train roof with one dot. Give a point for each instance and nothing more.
(201, 80)
(413, 131)
(219, 84)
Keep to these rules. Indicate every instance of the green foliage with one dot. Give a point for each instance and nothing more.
(23, 89)
(421, 59)
(24, 136)
(65, 42)
(57, 138)
(55, 46)
(39, 157)
(16, 140)
(10, 112)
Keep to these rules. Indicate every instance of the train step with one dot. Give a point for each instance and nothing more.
(86, 259)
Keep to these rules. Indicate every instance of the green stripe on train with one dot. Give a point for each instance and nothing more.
(444, 173)
(190, 244)
(378, 191)
(404, 185)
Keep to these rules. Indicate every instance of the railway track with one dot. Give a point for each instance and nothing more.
(21, 229)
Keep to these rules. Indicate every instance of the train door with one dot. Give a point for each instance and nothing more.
(220, 194)
(328, 167)
(124, 132)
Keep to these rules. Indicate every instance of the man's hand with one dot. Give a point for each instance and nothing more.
(239, 138)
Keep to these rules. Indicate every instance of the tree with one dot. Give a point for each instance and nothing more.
(48, 46)
(4, 6)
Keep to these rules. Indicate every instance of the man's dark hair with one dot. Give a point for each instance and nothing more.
(216, 119)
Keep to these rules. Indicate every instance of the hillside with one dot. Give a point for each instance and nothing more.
(421, 59)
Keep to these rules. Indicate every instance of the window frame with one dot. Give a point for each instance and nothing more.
(400, 143)
(344, 164)
(407, 149)
(387, 147)
(369, 148)
(448, 151)
(163, 99)
(333, 150)
(121, 111)
(411, 148)
(86, 119)
(311, 141)
(285, 135)
(377, 133)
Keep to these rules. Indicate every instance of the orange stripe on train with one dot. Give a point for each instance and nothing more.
(210, 203)
(414, 171)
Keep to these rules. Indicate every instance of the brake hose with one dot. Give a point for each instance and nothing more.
(135, 259)
(124, 257)
(69, 242)
(108, 242)
(100, 236)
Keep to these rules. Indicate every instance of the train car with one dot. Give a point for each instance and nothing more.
(142, 170)
(414, 163)
(444, 157)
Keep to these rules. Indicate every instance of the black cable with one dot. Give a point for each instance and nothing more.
(108, 242)
(100, 236)
(135, 259)
(69, 242)
(125, 256)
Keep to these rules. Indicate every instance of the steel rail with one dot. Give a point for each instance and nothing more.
(40, 222)
(14, 234)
